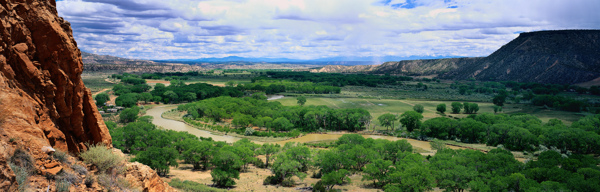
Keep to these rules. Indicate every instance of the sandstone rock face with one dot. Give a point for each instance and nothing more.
(43, 101)
(140, 175)
(41, 89)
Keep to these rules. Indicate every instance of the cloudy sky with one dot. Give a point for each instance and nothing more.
(312, 29)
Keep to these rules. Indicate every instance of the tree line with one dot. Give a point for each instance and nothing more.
(337, 79)
(134, 89)
(520, 132)
(389, 165)
(278, 86)
(257, 111)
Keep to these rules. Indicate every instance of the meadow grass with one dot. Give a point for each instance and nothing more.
(378, 107)
(96, 82)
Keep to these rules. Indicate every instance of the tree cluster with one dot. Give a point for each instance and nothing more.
(559, 102)
(337, 79)
(134, 89)
(274, 116)
(517, 132)
(277, 86)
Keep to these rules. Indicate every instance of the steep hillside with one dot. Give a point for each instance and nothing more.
(43, 101)
(564, 57)
(406, 67)
(424, 67)
(561, 57)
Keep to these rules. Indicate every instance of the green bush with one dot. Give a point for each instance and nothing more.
(22, 175)
(100, 156)
(22, 164)
(68, 176)
(89, 180)
(80, 169)
(61, 156)
(23, 159)
(419, 108)
(62, 185)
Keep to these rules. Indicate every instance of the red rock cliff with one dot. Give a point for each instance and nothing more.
(43, 100)
(41, 90)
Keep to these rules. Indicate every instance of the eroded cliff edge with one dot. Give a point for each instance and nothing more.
(43, 101)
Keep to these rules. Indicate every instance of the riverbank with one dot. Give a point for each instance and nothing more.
(178, 116)
(173, 121)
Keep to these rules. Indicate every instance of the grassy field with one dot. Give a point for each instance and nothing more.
(213, 81)
(96, 81)
(378, 107)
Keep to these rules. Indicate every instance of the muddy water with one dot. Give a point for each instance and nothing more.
(180, 126)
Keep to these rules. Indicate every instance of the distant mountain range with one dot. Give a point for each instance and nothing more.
(561, 57)
(323, 61)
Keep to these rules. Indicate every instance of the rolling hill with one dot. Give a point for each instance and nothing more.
(561, 57)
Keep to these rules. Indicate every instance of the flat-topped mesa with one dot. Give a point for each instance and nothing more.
(41, 89)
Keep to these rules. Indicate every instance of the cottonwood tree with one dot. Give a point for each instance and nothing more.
(411, 120)
(387, 120)
(456, 107)
(441, 108)
(268, 150)
(199, 154)
(227, 167)
(101, 99)
(301, 100)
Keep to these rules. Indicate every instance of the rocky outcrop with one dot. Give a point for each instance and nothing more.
(43, 101)
(140, 175)
(40, 78)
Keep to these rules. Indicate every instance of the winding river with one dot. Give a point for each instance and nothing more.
(158, 120)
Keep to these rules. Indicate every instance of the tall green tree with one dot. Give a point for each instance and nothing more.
(227, 167)
(269, 150)
(146, 97)
(500, 98)
(286, 166)
(282, 124)
(170, 96)
(338, 177)
(456, 107)
(378, 172)
(411, 120)
(301, 100)
(159, 159)
(387, 120)
(199, 154)
(101, 99)
(441, 108)
(129, 115)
